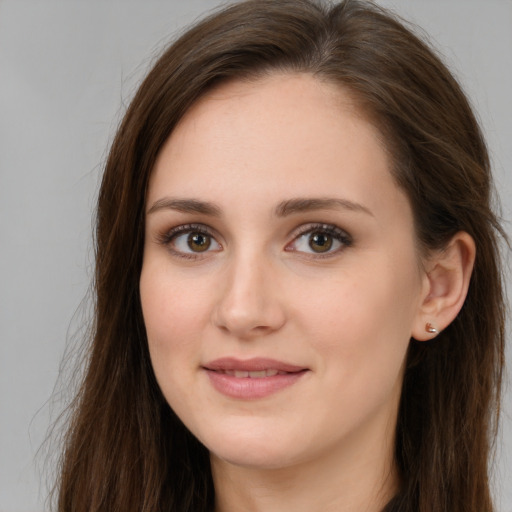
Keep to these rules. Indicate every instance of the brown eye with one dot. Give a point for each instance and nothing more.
(320, 242)
(199, 242)
(191, 241)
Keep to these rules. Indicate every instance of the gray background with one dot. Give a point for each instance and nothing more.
(66, 70)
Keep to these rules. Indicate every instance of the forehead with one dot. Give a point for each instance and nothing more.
(291, 135)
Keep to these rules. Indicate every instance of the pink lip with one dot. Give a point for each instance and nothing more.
(249, 387)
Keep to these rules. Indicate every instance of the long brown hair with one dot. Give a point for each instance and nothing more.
(125, 449)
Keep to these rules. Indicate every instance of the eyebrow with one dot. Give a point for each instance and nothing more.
(186, 206)
(283, 209)
(301, 205)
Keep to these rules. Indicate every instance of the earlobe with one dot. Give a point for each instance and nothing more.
(446, 283)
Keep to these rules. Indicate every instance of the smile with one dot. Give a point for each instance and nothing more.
(251, 379)
(252, 375)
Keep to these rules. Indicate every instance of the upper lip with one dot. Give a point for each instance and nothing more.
(251, 365)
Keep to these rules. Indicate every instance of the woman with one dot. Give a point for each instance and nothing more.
(299, 300)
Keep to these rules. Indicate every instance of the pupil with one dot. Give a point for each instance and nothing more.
(198, 242)
(320, 242)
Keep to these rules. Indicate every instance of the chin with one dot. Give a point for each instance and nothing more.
(255, 459)
(254, 451)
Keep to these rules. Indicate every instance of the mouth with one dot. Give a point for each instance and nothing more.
(243, 374)
(255, 366)
(253, 378)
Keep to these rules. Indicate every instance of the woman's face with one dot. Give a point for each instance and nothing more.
(281, 282)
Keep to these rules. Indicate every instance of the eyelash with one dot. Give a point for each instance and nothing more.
(338, 234)
(168, 237)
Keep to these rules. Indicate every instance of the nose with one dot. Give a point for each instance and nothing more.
(250, 302)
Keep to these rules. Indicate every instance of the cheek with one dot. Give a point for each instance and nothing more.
(362, 323)
(171, 318)
(173, 308)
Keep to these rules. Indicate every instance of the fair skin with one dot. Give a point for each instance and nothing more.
(278, 242)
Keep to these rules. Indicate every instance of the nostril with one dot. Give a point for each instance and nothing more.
(247, 326)
(248, 303)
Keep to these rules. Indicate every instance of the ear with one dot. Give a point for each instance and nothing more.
(445, 286)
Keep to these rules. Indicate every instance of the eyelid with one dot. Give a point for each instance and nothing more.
(167, 235)
(336, 232)
(166, 238)
(342, 236)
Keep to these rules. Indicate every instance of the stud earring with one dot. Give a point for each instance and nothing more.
(431, 329)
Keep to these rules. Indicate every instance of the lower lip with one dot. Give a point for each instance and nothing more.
(248, 388)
